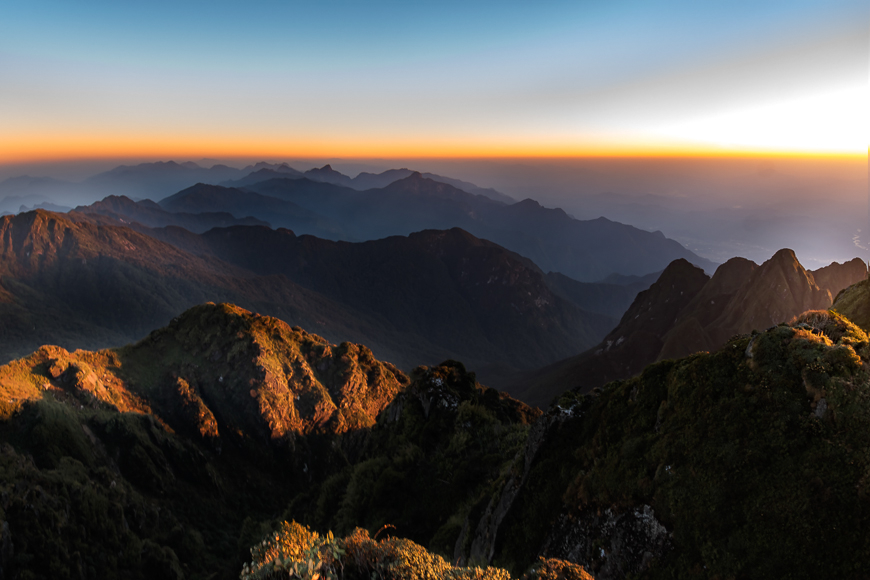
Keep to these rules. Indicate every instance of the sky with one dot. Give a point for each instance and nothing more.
(94, 79)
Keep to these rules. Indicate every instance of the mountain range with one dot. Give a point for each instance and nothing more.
(587, 251)
(329, 204)
(172, 456)
(710, 426)
(163, 178)
(685, 311)
(76, 281)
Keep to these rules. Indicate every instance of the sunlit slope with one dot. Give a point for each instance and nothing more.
(854, 303)
(169, 457)
(146, 459)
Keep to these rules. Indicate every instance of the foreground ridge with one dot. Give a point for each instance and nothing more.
(296, 552)
(172, 456)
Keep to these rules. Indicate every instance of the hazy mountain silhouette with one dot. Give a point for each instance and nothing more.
(16, 192)
(155, 180)
(276, 212)
(150, 214)
(583, 250)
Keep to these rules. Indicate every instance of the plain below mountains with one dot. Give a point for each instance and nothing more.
(74, 281)
(685, 311)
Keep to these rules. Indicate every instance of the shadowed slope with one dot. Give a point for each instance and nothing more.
(422, 299)
(628, 348)
(748, 462)
(79, 284)
(686, 313)
(457, 290)
(151, 215)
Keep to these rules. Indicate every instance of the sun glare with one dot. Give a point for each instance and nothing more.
(831, 122)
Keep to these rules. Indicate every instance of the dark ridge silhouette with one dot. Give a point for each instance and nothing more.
(685, 312)
(81, 280)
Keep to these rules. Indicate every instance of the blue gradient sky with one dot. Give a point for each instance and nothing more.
(448, 78)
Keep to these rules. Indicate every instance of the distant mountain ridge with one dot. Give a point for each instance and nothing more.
(151, 215)
(329, 204)
(160, 179)
(586, 251)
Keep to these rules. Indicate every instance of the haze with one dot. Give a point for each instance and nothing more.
(736, 129)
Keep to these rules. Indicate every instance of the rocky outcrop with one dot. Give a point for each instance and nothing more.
(483, 540)
(615, 544)
(836, 277)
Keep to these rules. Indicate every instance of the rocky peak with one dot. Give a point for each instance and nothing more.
(780, 288)
(835, 277)
(654, 310)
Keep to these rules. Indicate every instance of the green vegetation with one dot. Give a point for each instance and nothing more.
(297, 552)
(174, 456)
(215, 424)
(438, 451)
(755, 458)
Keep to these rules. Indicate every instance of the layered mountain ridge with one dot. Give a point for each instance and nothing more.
(77, 281)
(587, 251)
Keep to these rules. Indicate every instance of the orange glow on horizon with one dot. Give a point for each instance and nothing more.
(75, 148)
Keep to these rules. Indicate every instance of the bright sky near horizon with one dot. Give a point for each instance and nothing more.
(449, 78)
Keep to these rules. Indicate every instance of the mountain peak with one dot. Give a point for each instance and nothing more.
(528, 202)
(784, 256)
(266, 377)
(679, 269)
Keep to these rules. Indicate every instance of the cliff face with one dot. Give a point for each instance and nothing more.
(840, 276)
(776, 292)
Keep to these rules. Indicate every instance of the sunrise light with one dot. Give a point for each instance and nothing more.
(830, 122)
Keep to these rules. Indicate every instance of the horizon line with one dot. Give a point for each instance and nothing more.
(610, 153)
